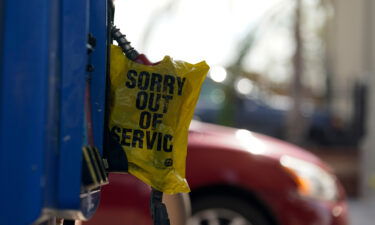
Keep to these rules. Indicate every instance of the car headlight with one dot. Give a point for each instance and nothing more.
(312, 180)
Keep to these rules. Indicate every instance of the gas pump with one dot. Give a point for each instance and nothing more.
(52, 109)
(54, 142)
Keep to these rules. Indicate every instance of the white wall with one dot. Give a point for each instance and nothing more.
(368, 148)
(351, 52)
(346, 52)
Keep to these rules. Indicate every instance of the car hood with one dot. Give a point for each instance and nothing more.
(244, 140)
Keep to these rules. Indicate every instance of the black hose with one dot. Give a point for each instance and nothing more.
(129, 51)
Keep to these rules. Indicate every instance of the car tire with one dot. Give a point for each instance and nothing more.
(222, 210)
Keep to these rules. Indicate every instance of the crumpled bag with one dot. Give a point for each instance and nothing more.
(151, 108)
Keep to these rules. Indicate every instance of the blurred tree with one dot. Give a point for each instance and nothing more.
(308, 39)
(296, 124)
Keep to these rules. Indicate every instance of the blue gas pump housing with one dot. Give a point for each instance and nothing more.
(47, 77)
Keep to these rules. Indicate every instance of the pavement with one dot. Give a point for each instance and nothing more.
(361, 212)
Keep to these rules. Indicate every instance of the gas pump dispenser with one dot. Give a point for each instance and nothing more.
(53, 70)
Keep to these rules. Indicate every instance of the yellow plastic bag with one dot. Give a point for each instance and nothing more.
(150, 112)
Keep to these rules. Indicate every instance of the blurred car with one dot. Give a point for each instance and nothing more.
(244, 112)
(241, 103)
(238, 177)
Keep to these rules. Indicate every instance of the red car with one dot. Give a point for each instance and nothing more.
(239, 178)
